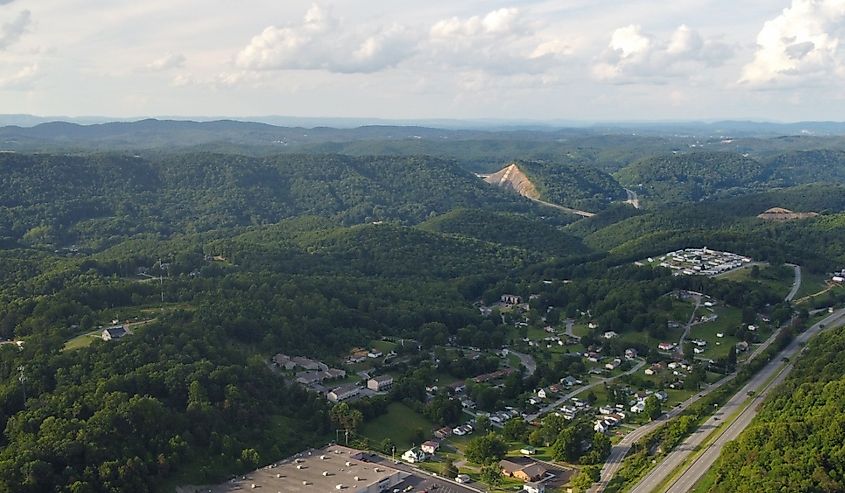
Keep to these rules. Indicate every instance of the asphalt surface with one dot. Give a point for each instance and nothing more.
(527, 361)
(796, 285)
(777, 366)
(421, 480)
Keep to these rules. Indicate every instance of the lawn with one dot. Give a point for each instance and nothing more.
(399, 424)
(83, 340)
(778, 279)
(383, 346)
(729, 318)
(811, 283)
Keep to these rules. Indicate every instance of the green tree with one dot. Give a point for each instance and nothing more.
(449, 470)
(515, 429)
(491, 474)
(567, 446)
(250, 458)
(653, 407)
(585, 478)
(486, 449)
(482, 424)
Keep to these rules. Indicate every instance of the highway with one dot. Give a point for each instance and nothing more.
(705, 461)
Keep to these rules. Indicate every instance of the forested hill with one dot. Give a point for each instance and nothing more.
(796, 442)
(695, 176)
(59, 200)
(572, 185)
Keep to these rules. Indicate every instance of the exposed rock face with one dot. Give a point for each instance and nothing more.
(513, 178)
(781, 214)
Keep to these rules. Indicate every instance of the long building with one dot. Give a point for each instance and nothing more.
(333, 468)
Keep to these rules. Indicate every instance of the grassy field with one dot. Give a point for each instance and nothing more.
(399, 424)
(811, 283)
(729, 318)
(83, 340)
(383, 346)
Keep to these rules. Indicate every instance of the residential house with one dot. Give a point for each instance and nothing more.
(528, 471)
(542, 394)
(638, 407)
(649, 371)
(528, 450)
(442, 433)
(343, 393)
(380, 383)
(374, 353)
(742, 346)
(462, 479)
(511, 299)
(283, 361)
(610, 334)
(666, 346)
(413, 456)
(630, 353)
(430, 447)
(114, 333)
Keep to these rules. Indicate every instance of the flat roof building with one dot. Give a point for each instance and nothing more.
(333, 468)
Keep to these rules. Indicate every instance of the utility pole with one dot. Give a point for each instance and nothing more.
(347, 437)
(22, 380)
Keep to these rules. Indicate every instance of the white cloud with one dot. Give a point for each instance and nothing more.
(635, 56)
(20, 80)
(501, 42)
(11, 32)
(800, 44)
(167, 62)
(322, 42)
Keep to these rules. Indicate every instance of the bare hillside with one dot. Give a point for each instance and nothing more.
(513, 178)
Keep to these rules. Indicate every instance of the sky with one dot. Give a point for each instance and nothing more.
(576, 60)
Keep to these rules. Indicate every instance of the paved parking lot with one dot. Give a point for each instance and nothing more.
(420, 481)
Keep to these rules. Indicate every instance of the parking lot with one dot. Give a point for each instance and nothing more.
(419, 481)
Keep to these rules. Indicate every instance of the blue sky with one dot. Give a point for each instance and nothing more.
(542, 60)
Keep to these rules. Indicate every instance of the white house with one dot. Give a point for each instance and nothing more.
(114, 333)
(542, 394)
(413, 456)
(638, 407)
(649, 371)
(610, 334)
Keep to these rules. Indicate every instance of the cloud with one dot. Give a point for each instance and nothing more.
(6, 2)
(501, 42)
(11, 32)
(322, 42)
(20, 80)
(800, 44)
(167, 62)
(635, 56)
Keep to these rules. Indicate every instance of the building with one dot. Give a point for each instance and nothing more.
(511, 299)
(462, 479)
(414, 455)
(630, 353)
(610, 334)
(442, 433)
(333, 468)
(534, 488)
(380, 383)
(528, 450)
(343, 393)
(114, 333)
(430, 447)
(527, 470)
(666, 346)
(638, 407)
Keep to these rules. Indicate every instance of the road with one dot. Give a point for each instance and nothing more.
(796, 285)
(560, 207)
(527, 361)
(633, 199)
(569, 329)
(680, 348)
(776, 367)
(551, 407)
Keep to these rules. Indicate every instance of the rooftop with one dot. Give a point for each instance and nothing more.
(316, 471)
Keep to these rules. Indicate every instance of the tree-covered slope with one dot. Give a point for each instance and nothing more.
(59, 200)
(572, 185)
(520, 231)
(797, 442)
(690, 177)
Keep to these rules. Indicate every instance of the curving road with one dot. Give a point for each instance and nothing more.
(796, 285)
(527, 361)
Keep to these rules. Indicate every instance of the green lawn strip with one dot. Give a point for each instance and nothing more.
(83, 340)
(811, 283)
(399, 424)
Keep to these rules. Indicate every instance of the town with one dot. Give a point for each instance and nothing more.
(604, 383)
